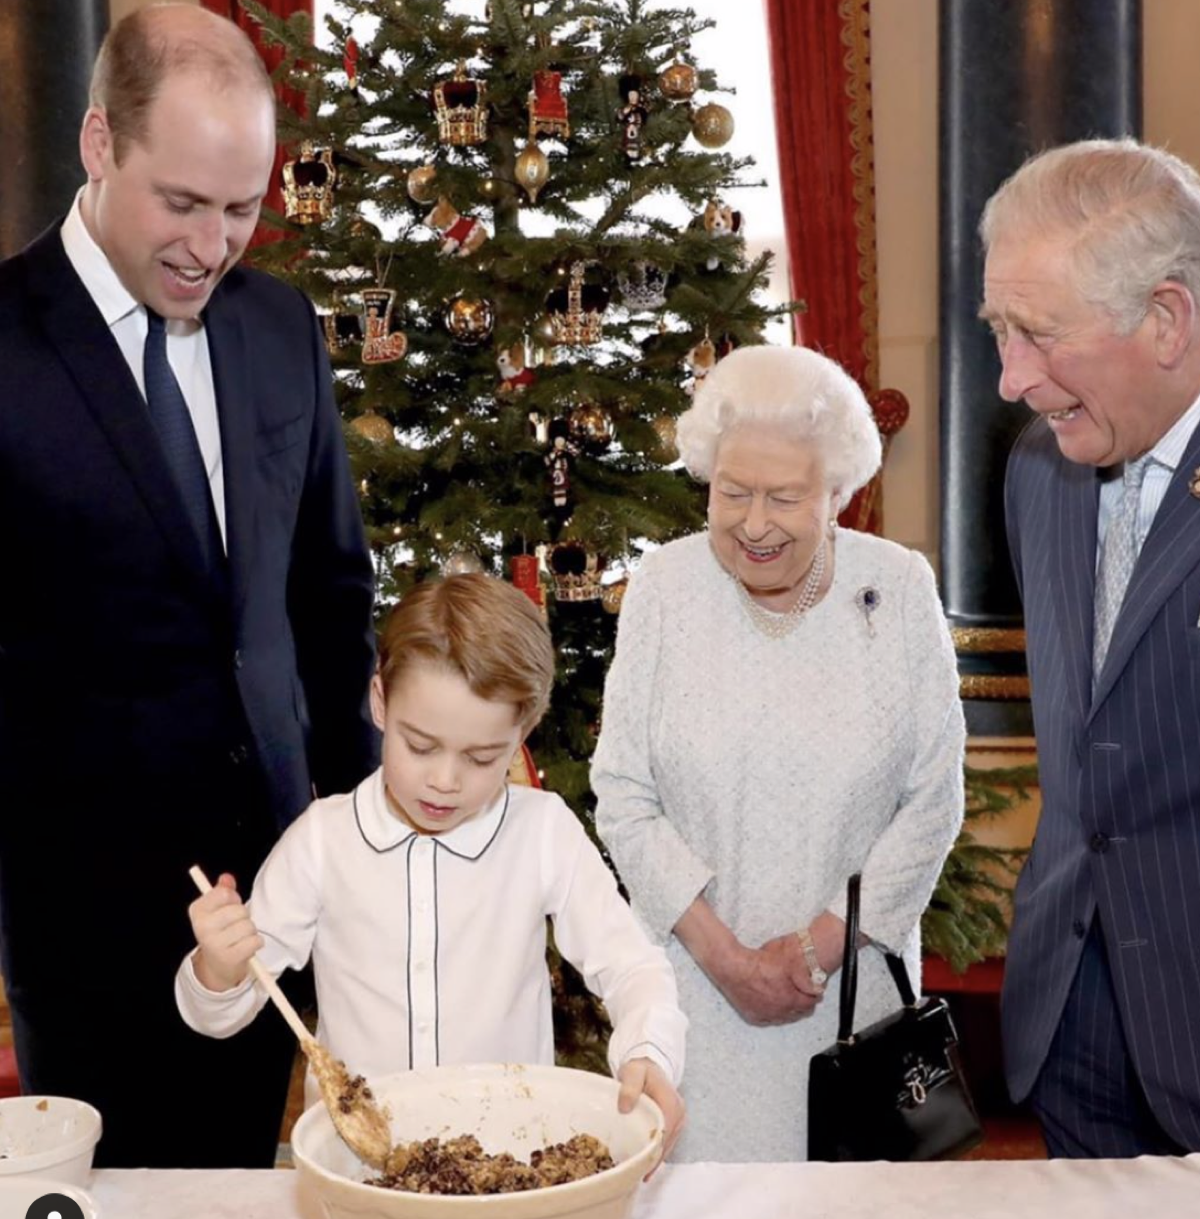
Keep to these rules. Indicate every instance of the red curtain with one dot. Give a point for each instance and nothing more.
(272, 57)
(821, 73)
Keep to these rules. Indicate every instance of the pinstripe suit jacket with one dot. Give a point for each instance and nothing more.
(1120, 778)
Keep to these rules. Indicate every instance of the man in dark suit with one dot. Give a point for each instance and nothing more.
(1091, 287)
(185, 622)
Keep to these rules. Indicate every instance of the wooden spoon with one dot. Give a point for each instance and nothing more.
(356, 1116)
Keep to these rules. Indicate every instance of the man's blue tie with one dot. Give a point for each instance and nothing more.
(173, 422)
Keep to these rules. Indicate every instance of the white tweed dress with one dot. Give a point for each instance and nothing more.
(761, 773)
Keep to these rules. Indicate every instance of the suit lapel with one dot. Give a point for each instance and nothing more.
(77, 332)
(1072, 561)
(1171, 551)
(227, 349)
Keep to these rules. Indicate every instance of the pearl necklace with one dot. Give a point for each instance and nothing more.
(776, 626)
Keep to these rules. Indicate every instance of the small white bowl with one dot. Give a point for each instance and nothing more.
(48, 1136)
(507, 1107)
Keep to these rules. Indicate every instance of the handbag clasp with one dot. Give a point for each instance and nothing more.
(915, 1080)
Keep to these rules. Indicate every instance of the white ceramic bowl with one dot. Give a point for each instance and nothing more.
(48, 1136)
(508, 1107)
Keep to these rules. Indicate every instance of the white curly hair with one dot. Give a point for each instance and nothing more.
(796, 390)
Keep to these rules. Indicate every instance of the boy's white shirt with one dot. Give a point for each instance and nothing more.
(430, 949)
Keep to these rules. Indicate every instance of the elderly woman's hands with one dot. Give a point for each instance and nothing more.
(767, 985)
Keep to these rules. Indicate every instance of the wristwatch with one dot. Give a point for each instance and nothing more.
(818, 975)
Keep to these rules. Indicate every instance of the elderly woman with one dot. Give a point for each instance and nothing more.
(782, 712)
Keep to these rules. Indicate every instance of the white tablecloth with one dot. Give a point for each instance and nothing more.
(1013, 1189)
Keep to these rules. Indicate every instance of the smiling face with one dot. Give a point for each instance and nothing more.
(446, 751)
(768, 510)
(1107, 396)
(178, 208)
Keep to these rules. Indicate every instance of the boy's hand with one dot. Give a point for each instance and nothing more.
(640, 1075)
(225, 935)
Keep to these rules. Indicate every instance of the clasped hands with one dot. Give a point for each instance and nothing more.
(772, 984)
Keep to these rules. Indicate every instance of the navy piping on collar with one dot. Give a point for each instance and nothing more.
(436, 839)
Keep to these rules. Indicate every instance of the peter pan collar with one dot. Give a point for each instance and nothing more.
(383, 831)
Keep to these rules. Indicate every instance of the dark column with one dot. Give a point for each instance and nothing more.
(1015, 76)
(46, 52)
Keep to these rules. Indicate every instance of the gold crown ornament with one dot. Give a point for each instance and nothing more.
(308, 183)
(576, 312)
(575, 572)
(461, 107)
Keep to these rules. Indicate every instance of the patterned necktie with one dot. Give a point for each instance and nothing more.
(1117, 559)
(173, 422)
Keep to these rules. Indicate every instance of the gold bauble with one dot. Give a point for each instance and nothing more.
(542, 332)
(489, 188)
(533, 168)
(373, 427)
(666, 449)
(613, 595)
(712, 125)
(677, 82)
(590, 426)
(470, 319)
(422, 184)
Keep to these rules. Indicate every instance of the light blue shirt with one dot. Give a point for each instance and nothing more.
(1164, 460)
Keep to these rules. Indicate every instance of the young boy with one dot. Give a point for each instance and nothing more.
(422, 895)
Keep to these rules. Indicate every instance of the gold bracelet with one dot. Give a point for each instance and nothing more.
(818, 975)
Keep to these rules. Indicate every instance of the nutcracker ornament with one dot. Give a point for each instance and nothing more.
(308, 183)
(548, 107)
(632, 118)
(559, 461)
(381, 344)
(461, 235)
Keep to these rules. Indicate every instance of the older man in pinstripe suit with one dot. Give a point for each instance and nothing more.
(1091, 288)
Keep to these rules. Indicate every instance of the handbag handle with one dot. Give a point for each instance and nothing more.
(848, 993)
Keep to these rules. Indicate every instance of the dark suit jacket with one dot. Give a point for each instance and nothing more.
(1120, 777)
(135, 696)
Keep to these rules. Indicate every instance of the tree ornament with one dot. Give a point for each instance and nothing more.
(643, 286)
(575, 571)
(308, 183)
(515, 378)
(559, 461)
(677, 82)
(381, 344)
(701, 360)
(720, 221)
(525, 576)
(712, 125)
(532, 170)
(461, 108)
(576, 312)
(342, 330)
(543, 331)
(632, 117)
(463, 563)
(470, 319)
(373, 427)
(590, 427)
(489, 188)
(461, 235)
(350, 63)
(666, 449)
(548, 107)
(422, 184)
(613, 595)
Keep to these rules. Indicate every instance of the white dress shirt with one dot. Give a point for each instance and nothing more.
(430, 949)
(187, 345)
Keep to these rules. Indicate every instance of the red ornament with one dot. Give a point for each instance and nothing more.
(350, 63)
(547, 106)
(524, 569)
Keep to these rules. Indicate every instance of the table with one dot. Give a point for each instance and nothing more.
(980, 1189)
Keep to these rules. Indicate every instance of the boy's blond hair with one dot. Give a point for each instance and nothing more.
(481, 628)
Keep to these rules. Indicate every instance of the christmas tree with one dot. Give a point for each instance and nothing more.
(511, 216)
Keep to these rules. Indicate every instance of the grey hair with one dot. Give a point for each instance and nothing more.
(1130, 212)
(795, 389)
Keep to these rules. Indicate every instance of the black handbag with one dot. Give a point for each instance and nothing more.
(896, 1090)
